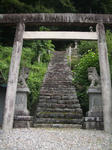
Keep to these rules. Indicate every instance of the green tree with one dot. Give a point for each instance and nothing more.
(84, 46)
(46, 6)
(93, 6)
(14, 6)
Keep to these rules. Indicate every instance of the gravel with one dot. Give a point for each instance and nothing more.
(55, 139)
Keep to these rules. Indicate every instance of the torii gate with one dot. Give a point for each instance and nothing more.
(58, 19)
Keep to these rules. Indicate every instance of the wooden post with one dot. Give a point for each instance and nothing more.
(105, 78)
(13, 78)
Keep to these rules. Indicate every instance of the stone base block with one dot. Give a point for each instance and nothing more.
(22, 121)
(93, 123)
(78, 126)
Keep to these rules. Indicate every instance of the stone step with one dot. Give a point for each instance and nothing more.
(65, 115)
(58, 101)
(58, 104)
(61, 83)
(76, 110)
(58, 78)
(58, 73)
(59, 88)
(57, 85)
(78, 126)
(57, 96)
(56, 91)
(57, 120)
(52, 105)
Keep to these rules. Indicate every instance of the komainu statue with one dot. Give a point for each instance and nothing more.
(94, 77)
(23, 77)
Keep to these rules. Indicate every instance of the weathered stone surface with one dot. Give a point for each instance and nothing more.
(93, 123)
(94, 77)
(58, 125)
(21, 102)
(2, 103)
(13, 78)
(94, 119)
(105, 78)
(57, 18)
(58, 120)
(58, 103)
(22, 121)
(21, 115)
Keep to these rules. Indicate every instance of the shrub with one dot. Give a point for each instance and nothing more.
(88, 59)
(84, 46)
(36, 75)
(81, 76)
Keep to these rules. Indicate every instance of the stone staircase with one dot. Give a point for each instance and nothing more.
(58, 104)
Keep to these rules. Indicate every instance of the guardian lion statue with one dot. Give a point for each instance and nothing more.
(94, 77)
(23, 77)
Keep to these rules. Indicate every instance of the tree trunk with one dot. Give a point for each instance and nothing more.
(105, 78)
(13, 78)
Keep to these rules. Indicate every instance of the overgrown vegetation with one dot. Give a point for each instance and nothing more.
(35, 56)
(80, 76)
(89, 58)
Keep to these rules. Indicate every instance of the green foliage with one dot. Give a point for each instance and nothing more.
(81, 76)
(36, 6)
(42, 48)
(29, 59)
(5, 55)
(84, 46)
(89, 58)
(93, 6)
(37, 69)
(75, 61)
(36, 75)
(68, 4)
(109, 45)
(27, 56)
(35, 56)
(14, 6)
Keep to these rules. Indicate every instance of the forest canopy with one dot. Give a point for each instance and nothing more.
(51, 6)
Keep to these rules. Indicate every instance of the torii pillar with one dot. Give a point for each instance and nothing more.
(13, 78)
(105, 78)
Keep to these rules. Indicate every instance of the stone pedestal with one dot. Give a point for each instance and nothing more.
(94, 119)
(21, 116)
